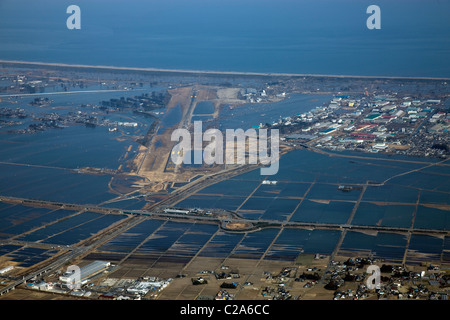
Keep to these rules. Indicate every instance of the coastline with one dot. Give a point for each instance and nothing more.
(206, 73)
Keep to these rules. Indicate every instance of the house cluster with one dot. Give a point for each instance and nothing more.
(383, 123)
(349, 279)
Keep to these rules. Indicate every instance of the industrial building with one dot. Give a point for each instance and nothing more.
(5, 270)
(176, 211)
(143, 287)
(85, 272)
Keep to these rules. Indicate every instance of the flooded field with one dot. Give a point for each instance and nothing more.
(17, 219)
(204, 107)
(73, 229)
(416, 199)
(381, 245)
(306, 189)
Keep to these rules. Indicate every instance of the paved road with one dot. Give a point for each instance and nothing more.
(230, 218)
(53, 266)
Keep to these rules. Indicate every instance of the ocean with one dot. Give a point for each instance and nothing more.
(286, 36)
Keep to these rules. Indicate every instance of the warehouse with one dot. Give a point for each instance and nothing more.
(176, 211)
(7, 269)
(85, 272)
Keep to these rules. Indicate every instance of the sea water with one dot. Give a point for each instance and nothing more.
(309, 37)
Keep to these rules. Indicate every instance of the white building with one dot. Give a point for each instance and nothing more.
(85, 272)
(380, 146)
(143, 287)
(127, 124)
(7, 269)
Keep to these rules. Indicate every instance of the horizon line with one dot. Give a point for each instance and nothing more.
(213, 72)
